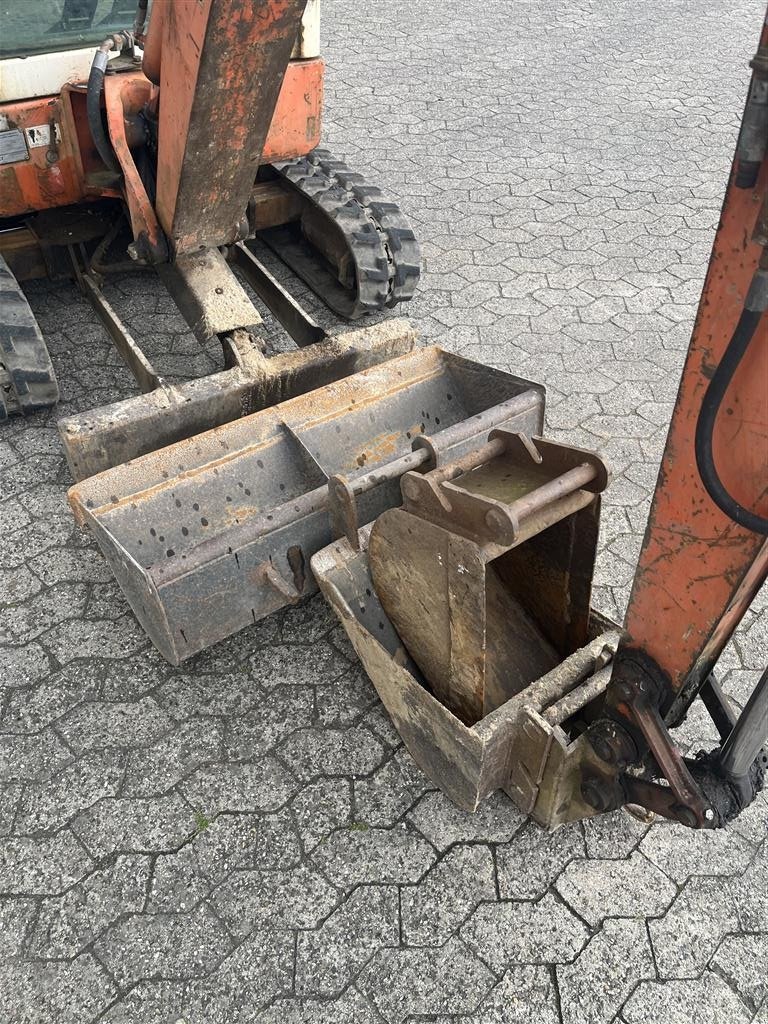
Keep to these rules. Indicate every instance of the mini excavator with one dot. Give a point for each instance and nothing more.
(413, 487)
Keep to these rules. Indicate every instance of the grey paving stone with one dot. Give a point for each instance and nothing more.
(29, 758)
(163, 946)
(675, 850)
(197, 694)
(740, 961)
(496, 820)
(613, 835)
(401, 982)
(23, 664)
(532, 861)
(47, 806)
(277, 716)
(594, 987)
(180, 880)
(44, 993)
(394, 788)
(329, 958)
(707, 1000)
(292, 665)
(10, 796)
(140, 826)
(434, 909)
(297, 898)
(691, 930)
(42, 865)
(16, 917)
(311, 752)
(98, 724)
(156, 768)
(525, 995)
(322, 807)
(509, 933)
(350, 1008)
(68, 923)
(751, 893)
(149, 1002)
(597, 889)
(360, 854)
(264, 785)
(259, 970)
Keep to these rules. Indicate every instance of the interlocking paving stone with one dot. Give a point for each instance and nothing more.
(529, 864)
(259, 970)
(46, 806)
(390, 791)
(361, 854)
(322, 807)
(164, 945)
(741, 960)
(401, 982)
(595, 986)
(689, 933)
(496, 820)
(597, 889)
(563, 166)
(525, 995)
(154, 1002)
(98, 724)
(264, 785)
(155, 769)
(677, 852)
(297, 898)
(67, 924)
(16, 917)
(350, 1008)
(155, 825)
(707, 1000)
(42, 865)
(434, 909)
(525, 933)
(68, 993)
(312, 752)
(751, 893)
(327, 959)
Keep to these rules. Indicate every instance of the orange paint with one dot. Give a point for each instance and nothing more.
(693, 556)
(50, 177)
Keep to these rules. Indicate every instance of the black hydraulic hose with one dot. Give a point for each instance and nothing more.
(93, 99)
(746, 329)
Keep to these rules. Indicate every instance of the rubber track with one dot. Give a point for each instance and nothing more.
(382, 245)
(27, 380)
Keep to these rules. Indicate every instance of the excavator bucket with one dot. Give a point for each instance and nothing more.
(212, 533)
(470, 608)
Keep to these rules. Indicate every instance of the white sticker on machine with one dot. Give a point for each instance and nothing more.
(40, 135)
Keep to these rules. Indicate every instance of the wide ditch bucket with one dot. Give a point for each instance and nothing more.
(469, 607)
(210, 534)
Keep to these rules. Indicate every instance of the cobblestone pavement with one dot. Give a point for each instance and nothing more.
(245, 839)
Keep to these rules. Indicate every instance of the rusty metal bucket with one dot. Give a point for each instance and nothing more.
(210, 534)
(469, 607)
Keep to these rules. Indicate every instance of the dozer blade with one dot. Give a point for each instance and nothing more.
(210, 534)
(470, 609)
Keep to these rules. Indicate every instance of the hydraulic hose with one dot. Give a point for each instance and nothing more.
(93, 98)
(746, 329)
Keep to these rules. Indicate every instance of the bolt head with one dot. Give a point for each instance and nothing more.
(410, 488)
(495, 520)
(595, 795)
